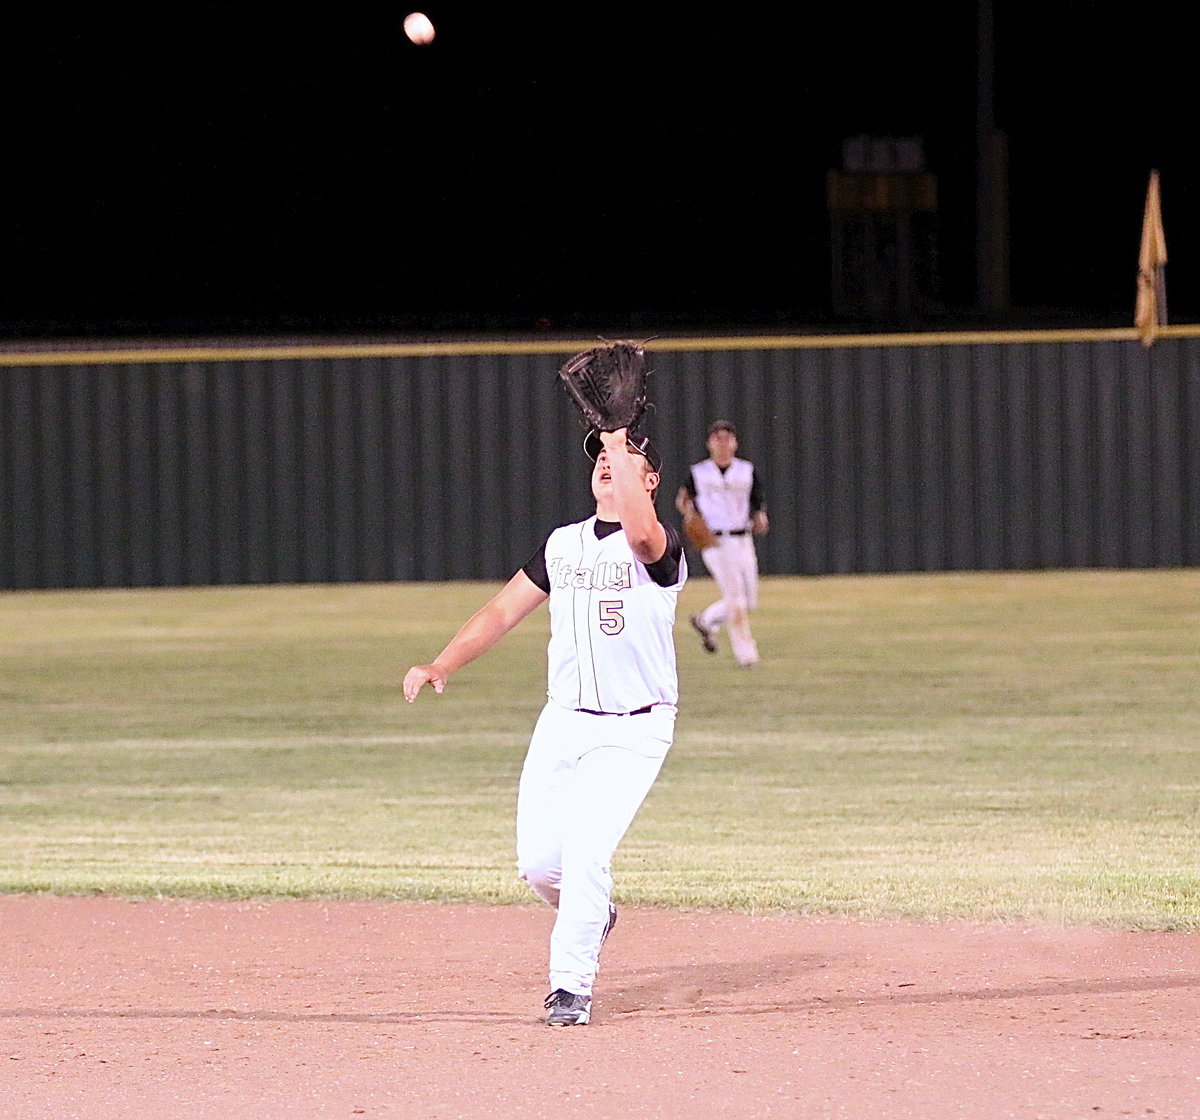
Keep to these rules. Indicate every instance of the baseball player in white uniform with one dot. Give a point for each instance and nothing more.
(729, 495)
(613, 582)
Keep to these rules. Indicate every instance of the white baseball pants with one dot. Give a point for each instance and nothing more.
(584, 779)
(733, 564)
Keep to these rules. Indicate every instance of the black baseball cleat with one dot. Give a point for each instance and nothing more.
(706, 638)
(612, 921)
(566, 1009)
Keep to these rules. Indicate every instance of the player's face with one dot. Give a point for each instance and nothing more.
(722, 446)
(602, 475)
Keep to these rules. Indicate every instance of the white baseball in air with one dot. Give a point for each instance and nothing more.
(419, 28)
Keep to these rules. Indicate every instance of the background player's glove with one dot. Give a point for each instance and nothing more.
(696, 529)
(608, 383)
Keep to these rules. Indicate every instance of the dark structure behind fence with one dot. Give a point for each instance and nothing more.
(451, 461)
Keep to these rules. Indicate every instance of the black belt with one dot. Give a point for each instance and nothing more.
(635, 712)
(731, 532)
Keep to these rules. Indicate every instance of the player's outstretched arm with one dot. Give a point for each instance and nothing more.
(519, 598)
(634, 506)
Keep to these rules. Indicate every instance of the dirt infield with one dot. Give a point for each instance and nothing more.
(307, 1009)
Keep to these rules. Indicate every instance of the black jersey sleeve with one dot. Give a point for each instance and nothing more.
(665, 570)
(758, 498)
(535, 567)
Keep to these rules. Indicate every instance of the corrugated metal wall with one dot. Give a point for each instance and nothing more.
(419, 463)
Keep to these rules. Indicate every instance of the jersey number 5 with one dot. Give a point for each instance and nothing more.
(612, 621)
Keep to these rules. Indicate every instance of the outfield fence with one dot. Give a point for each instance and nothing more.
(432, 461)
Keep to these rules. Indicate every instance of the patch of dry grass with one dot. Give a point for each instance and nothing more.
(1020, 746)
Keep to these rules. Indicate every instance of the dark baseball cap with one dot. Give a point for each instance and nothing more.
(722, 426)
(592, 447)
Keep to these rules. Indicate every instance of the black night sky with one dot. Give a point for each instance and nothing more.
(565, 166)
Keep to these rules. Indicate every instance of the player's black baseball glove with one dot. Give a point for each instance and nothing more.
(608, 383)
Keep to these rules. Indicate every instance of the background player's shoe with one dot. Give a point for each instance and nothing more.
(566, 1009)
(706, 638)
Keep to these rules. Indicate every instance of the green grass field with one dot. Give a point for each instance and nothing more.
(988, 746)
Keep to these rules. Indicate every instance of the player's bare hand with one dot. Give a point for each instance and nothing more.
(760, 523)
(419, 676)
(617, 438)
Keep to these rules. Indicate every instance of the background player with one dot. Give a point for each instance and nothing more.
(728, 493)
(613, 582)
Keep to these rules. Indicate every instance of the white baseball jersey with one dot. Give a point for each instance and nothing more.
(723, 497)
(612, 645)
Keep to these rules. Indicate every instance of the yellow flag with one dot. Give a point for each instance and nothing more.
(1151, 310)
